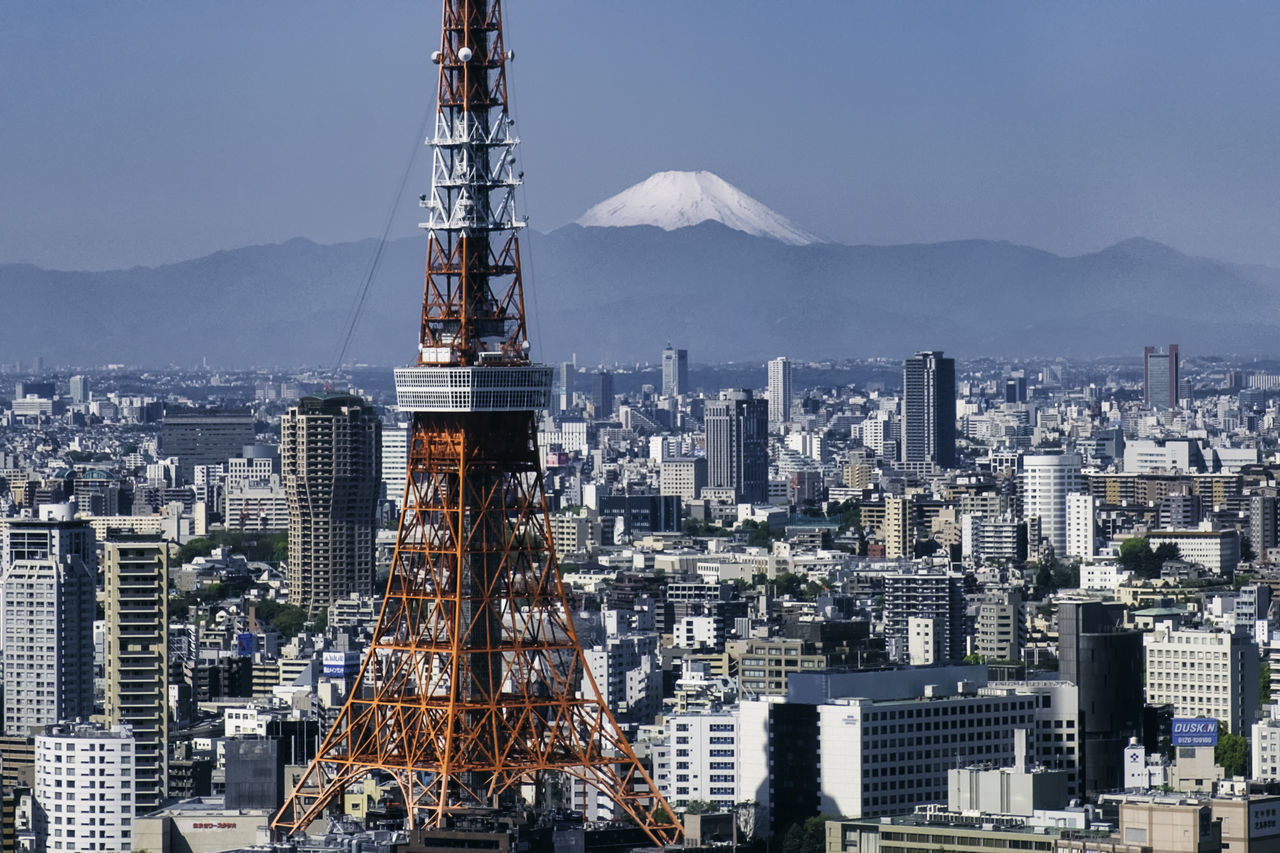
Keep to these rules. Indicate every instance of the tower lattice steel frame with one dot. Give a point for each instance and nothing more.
(469, 692)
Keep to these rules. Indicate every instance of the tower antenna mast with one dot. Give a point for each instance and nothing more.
(475, 686)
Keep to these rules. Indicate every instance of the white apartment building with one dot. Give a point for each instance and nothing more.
(1082, 526)
(1203, 674)
(1264, 743)
(47, 591)
(84, 779)
(701, 761)
(1047, 480)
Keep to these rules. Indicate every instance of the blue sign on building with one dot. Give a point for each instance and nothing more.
(1194, 731)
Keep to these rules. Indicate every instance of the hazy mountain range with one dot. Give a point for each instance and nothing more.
(620, 293)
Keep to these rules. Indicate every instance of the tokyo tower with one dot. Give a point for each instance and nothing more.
(474, 687)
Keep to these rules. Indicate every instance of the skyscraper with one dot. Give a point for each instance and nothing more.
(1160, 377)
(929, 409)
(79, 389)
(135, 578)
(568, 373)
(738, 445)
(47, 585)
(779, 392)
(330, 457)
(675, 371)
(602, 394)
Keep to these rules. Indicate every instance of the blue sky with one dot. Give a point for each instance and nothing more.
(146, 132)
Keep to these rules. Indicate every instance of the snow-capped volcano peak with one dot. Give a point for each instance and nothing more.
(673, 200)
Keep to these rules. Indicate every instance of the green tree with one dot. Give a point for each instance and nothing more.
(1232, 752)
(699, 807)
(1247, 554)
(1136, 556)
(788, 584)
(1264, 684)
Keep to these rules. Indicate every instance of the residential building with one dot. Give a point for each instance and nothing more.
(84, 789)
(1047, 479)
(779, 392)
(1082, 526)
(929, 410)
(136, 648)
(48, 577)
(331, 462)
(925, 594)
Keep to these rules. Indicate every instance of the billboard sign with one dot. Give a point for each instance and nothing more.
(1195, 731)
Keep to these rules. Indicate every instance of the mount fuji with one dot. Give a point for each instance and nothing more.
(671, 200)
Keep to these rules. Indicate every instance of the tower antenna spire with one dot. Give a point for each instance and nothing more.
(475, 689)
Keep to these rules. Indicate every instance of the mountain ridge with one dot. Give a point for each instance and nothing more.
(617, 294)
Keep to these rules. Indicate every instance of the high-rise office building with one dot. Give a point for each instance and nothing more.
(204, 438)
(568, 373)
(47, 584)
(136, 645)
(779, 392)
(330, 458)
(1160, 377)
(79, 390)
(602, 394)
(1047, 479)
(675, 371)
(1015, 387)
(737, 428)
(929, 410)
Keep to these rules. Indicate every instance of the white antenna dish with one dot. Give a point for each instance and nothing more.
(464, 54)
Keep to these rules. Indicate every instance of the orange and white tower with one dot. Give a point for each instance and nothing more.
(475, 684)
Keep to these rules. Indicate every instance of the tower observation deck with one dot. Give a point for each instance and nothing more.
(474, 693)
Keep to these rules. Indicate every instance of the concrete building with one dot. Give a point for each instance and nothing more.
(738, 445)
(395, 463)
(84, 789)
(1216, 550)
(626, 667)
(1047, 480)
(925, 594)
(684, 477)
(881, 742)
(204, 438)
(1082, 526)
(1204, 674)
(700, 760)
(779, 392)
(135, 576)
(929, 410)
(330, 458)
(1001, 628)
(48, 572)
(899, 529)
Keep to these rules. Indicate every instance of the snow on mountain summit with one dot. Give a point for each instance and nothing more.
(672, 200)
